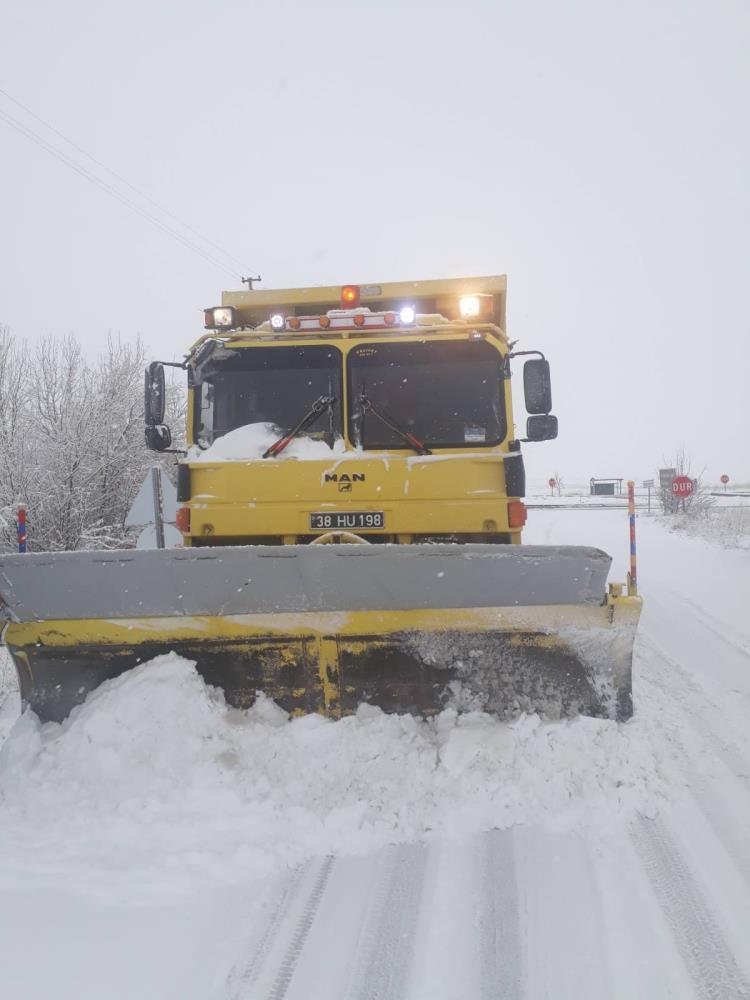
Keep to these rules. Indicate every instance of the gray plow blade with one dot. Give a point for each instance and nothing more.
(272, 579)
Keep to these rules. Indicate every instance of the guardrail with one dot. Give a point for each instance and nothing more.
(584, 506)
(655, 507)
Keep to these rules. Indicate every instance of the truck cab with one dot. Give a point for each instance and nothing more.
(380, 411)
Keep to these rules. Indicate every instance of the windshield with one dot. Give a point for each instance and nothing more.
(275, 385)
(447, 394)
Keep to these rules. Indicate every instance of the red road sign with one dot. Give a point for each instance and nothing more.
(682, 486)
(551, 483)
(725, 479)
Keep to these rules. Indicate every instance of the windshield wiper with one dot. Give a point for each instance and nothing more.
(366, 406)
(321, 403)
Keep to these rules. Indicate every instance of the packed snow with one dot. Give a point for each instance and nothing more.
(252, 440)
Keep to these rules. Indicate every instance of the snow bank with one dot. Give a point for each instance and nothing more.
(10, 701)
(727, 526)
(154, 785)
(249, 442)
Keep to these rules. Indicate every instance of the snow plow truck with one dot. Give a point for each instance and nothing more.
(351, 505)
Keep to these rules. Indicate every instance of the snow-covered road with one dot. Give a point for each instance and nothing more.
(619, 865)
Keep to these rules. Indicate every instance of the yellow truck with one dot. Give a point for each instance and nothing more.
(351, 504)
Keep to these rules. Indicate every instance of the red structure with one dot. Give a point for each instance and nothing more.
(682, 487)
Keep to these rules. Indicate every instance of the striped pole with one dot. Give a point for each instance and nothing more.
(22, 527)
(633, 574)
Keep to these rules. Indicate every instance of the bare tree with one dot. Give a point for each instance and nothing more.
(15, 471)
(700, 501)
(71, 441)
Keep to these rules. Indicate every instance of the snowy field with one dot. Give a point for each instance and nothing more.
(161, 846)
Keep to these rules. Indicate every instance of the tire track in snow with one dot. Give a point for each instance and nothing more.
(723, 631)
(699, 938)
(305, 922)
(692, 700)
(382, 968)
(244, 977)
(499, 919)
(719, 811)
(245, 973)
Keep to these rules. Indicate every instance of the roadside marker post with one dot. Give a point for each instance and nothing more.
(22, 527)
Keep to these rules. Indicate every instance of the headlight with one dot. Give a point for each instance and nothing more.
(469, 306)
(220, 318)
(277, 321)
(407, 315)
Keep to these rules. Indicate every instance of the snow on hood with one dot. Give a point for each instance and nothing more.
(249, 442)
(154, 784)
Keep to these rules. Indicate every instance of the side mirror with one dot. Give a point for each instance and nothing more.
(537, 387)
(542, 427)
(158, 437)
(154, 400)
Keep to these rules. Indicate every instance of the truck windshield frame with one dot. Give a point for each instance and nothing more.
(266, 384)
(447, 393)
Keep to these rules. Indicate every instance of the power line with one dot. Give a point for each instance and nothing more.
(29, 133)
(107, 188)
(120, 178)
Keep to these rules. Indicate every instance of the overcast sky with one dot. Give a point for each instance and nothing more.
(596, 152)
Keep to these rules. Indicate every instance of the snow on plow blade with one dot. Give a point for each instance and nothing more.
(505, 629)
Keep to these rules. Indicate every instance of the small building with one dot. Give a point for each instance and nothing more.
(605, 487)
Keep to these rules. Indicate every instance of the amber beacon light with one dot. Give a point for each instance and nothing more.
(350, 297)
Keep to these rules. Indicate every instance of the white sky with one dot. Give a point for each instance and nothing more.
(596, 152)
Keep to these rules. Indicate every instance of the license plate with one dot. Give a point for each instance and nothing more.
(347, 520)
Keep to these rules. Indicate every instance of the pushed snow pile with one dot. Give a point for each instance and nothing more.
(10, 700)
(155, 783)
(252, 440)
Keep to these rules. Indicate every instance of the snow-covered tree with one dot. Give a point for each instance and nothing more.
(16, 472)
(700, 500)
(71, 441)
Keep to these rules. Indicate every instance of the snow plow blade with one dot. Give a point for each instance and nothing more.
(503, 629)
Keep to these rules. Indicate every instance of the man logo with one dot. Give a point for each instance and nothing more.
(345, 487)
(334, 477)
